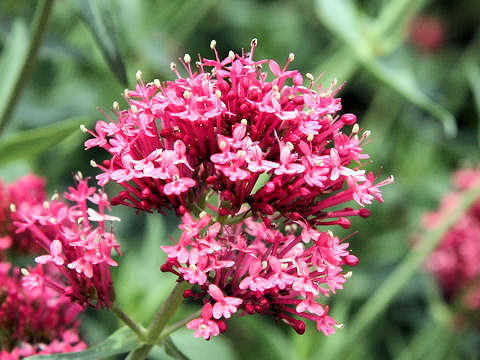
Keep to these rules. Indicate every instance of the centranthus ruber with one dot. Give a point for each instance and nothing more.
(77, 242)
(255, 162)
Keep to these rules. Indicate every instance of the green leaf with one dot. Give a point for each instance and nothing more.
(403, 82)
(472, 73)
(347, 23)
(121, 341)
(97, 16)
(28, 143)
(11, 62)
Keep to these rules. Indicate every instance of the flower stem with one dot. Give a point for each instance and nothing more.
(161, 319)
(136, 328)
(174, 327)
(42, 14)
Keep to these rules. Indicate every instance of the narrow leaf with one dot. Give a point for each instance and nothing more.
(472, 73)
(121, 341)
(345, 22)
(28, 143)
(98, 18)
(11, 61)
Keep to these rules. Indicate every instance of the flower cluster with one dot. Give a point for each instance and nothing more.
(34, 317)
(27, 195)
(77, 243)
(37, 321)
(258, 269)
(454, 262)
(255, 162)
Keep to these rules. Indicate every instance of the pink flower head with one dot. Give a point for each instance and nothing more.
(454, 262)
(77, 243)
(223, 129)
(249, 268)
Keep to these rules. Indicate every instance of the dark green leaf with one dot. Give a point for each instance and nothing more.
(29, 143)
(98, 17)
(121, 341)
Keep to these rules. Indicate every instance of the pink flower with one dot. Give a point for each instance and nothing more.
(81, 250)
(35, 321)
(204, 326)
(454, 262)
(225, 305)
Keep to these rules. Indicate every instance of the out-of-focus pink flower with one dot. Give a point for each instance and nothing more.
(35, 321)
(454, 262)
(77, 242)
(427, 33)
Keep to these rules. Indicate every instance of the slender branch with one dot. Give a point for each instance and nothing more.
(161, 319)
(136, 328)
(39, 26)
(174, 327)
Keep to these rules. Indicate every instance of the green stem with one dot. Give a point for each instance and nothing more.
(136, 328)
(42, 14)
(161, 319)
(400, 277)
(174, 327)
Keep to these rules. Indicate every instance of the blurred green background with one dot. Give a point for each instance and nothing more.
(412, 69)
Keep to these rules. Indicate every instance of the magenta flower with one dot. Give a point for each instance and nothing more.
(77, 243)
(255, 167)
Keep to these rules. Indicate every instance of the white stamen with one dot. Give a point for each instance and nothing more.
(264, 264)
(116, 106)
(93, 163)
(213, 43)
(138, 75)
(310, 137)
(13, 208)
(244, 122)
(156, 82)
(24, 271)
(187, 58)
(83, 128)
(173, 66)
(231, 55)
(187, 94)
(134, 109)
(355, 129)
(309, 76)
(291, 56)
